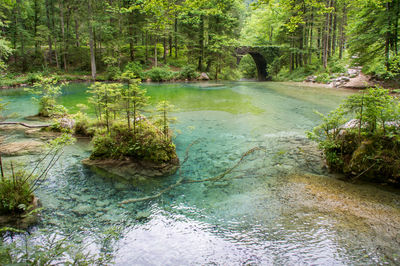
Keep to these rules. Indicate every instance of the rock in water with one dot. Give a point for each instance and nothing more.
(67, 123)
(21, 148)
(203, 76)
(130, 169)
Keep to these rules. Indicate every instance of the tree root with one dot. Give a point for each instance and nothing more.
(182, 181)
(23, 124)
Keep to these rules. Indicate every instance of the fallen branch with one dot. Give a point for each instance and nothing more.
(181, 180)
(23, 124)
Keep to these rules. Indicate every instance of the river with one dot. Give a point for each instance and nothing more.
(280, 206)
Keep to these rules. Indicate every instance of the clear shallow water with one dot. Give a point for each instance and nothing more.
(241, 219)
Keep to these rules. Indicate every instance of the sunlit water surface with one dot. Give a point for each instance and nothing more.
(241, 219)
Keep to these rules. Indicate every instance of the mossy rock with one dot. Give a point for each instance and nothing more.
(376, 160)
(130, 169)
(19, 220)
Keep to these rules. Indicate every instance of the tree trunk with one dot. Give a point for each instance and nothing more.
(35, 24)
(77, 33)
(342, 31)
(387, 40)
(311, 37)
(325, 39)
(176, 36)
(64, 52)
(155, 52)
(165, 50)
(131, 44)
(329, 34)
(147, 46)
(92, 55)
(334, 31)
(49, 27)
(170, 45)
(201, 44)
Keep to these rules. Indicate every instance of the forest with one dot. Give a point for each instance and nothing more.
(198, 132)
(102, 38)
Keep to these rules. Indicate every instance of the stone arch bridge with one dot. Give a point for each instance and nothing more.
(263, 56)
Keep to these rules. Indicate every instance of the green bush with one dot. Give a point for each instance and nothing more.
(32, 78)
(83, 126)
(247, 67)
(188, 72)
(15, 193)
(158, 74)
(113, 73)
(370, 147)
(148, 144)
(323, 78)
(135, 68)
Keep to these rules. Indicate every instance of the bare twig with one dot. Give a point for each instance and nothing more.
(23, 124)
(181, 180)
(363, 172)
(1, 169)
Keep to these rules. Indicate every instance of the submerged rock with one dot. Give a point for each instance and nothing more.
(21, 221)
(130, 169)
(21, 148)
(142, 215)
(82, 209)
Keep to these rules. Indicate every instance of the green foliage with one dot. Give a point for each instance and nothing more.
(135, 68)
(113, 73)
(5, 52)
(369, 144)
(336, 65)
(15, 193)
(48, 91)
(3, 107)
(164, 108)
(323, 78)
(17, 186)
(83, 125)
(33, 78)
(128, 133)
(147, 144)
(52, 250)
(247, 67)
(188, 72)
(105, 100)
(298, 75)
(158, 74)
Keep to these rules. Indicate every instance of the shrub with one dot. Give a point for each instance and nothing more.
(15, 193)
(113, 73)
(158, 74)
(369, 145)
(32, 78)
(135, 68)
(148, 144)
(82, 125)
(337, 65)
(323, 78)
(17, 186)
(188, 72)
(247, 67)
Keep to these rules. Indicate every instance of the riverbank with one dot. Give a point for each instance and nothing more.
(372, 209)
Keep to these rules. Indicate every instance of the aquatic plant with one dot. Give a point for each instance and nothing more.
(52, 250)
(17, 187)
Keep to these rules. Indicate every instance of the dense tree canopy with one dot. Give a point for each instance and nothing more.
(87, 35)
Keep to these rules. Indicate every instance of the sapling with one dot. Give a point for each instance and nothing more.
(48, 91)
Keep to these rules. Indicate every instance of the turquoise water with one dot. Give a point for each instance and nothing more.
(243, 219)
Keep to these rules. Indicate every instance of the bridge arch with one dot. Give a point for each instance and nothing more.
(262, 56)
